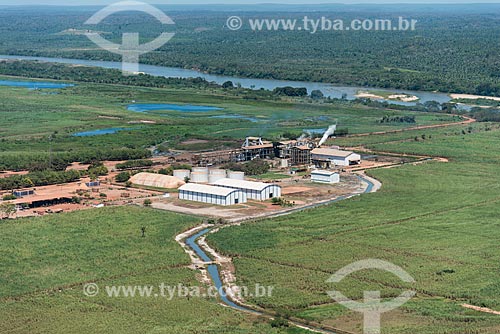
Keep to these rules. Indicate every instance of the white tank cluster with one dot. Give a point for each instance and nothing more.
(206, 175)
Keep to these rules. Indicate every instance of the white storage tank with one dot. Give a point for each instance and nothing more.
(216, 175)
(200, 170)
(199, 177)
(182, 173)
(236, 175)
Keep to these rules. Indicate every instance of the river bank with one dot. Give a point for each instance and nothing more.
(329, 90)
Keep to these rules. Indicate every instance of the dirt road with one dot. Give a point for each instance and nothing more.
(468, 120)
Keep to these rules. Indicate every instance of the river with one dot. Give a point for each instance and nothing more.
(328, 90)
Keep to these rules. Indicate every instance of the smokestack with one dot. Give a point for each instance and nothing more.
(330, 132)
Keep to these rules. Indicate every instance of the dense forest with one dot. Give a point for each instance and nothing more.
(454, 50)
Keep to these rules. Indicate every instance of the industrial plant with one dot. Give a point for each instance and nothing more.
(303, 151)
(205, 177)
(212, 185)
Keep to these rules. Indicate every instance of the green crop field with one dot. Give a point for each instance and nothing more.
(438, 221)
(46, 261)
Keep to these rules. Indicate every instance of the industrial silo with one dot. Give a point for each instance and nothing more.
(200, 170)
(236, 175)
(199, 177)
(182, 174)
(216, 175)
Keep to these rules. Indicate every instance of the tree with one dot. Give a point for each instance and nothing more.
(227, 85)
(97, 169)
(432, 106)
(122, 177)
(317, 95)
(7, 209)
(449, 108)
(164, 171)
(148, 202)
(256, 167)
(290, 91)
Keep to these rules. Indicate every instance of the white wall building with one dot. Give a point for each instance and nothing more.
(212, 195)
(328, 157)
(325, 176)
(254, 190)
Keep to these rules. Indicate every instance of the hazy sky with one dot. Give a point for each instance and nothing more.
(238, 2)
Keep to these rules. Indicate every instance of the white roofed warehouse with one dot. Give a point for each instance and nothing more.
(254, 190)
(211, 194)
(325, 176)
(329, 157)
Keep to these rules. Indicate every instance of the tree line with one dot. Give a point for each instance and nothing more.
(61, 160)
(38, 179)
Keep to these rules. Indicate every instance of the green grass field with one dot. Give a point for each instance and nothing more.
(439, 221)
(46, 261)
(30, 117)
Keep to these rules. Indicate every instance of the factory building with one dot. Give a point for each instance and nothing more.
(254, 190)
(255, 147)
(211, 194)
(325, 176)
(328, 158)
(295, 152)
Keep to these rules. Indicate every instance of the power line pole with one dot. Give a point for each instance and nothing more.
(50, 152)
